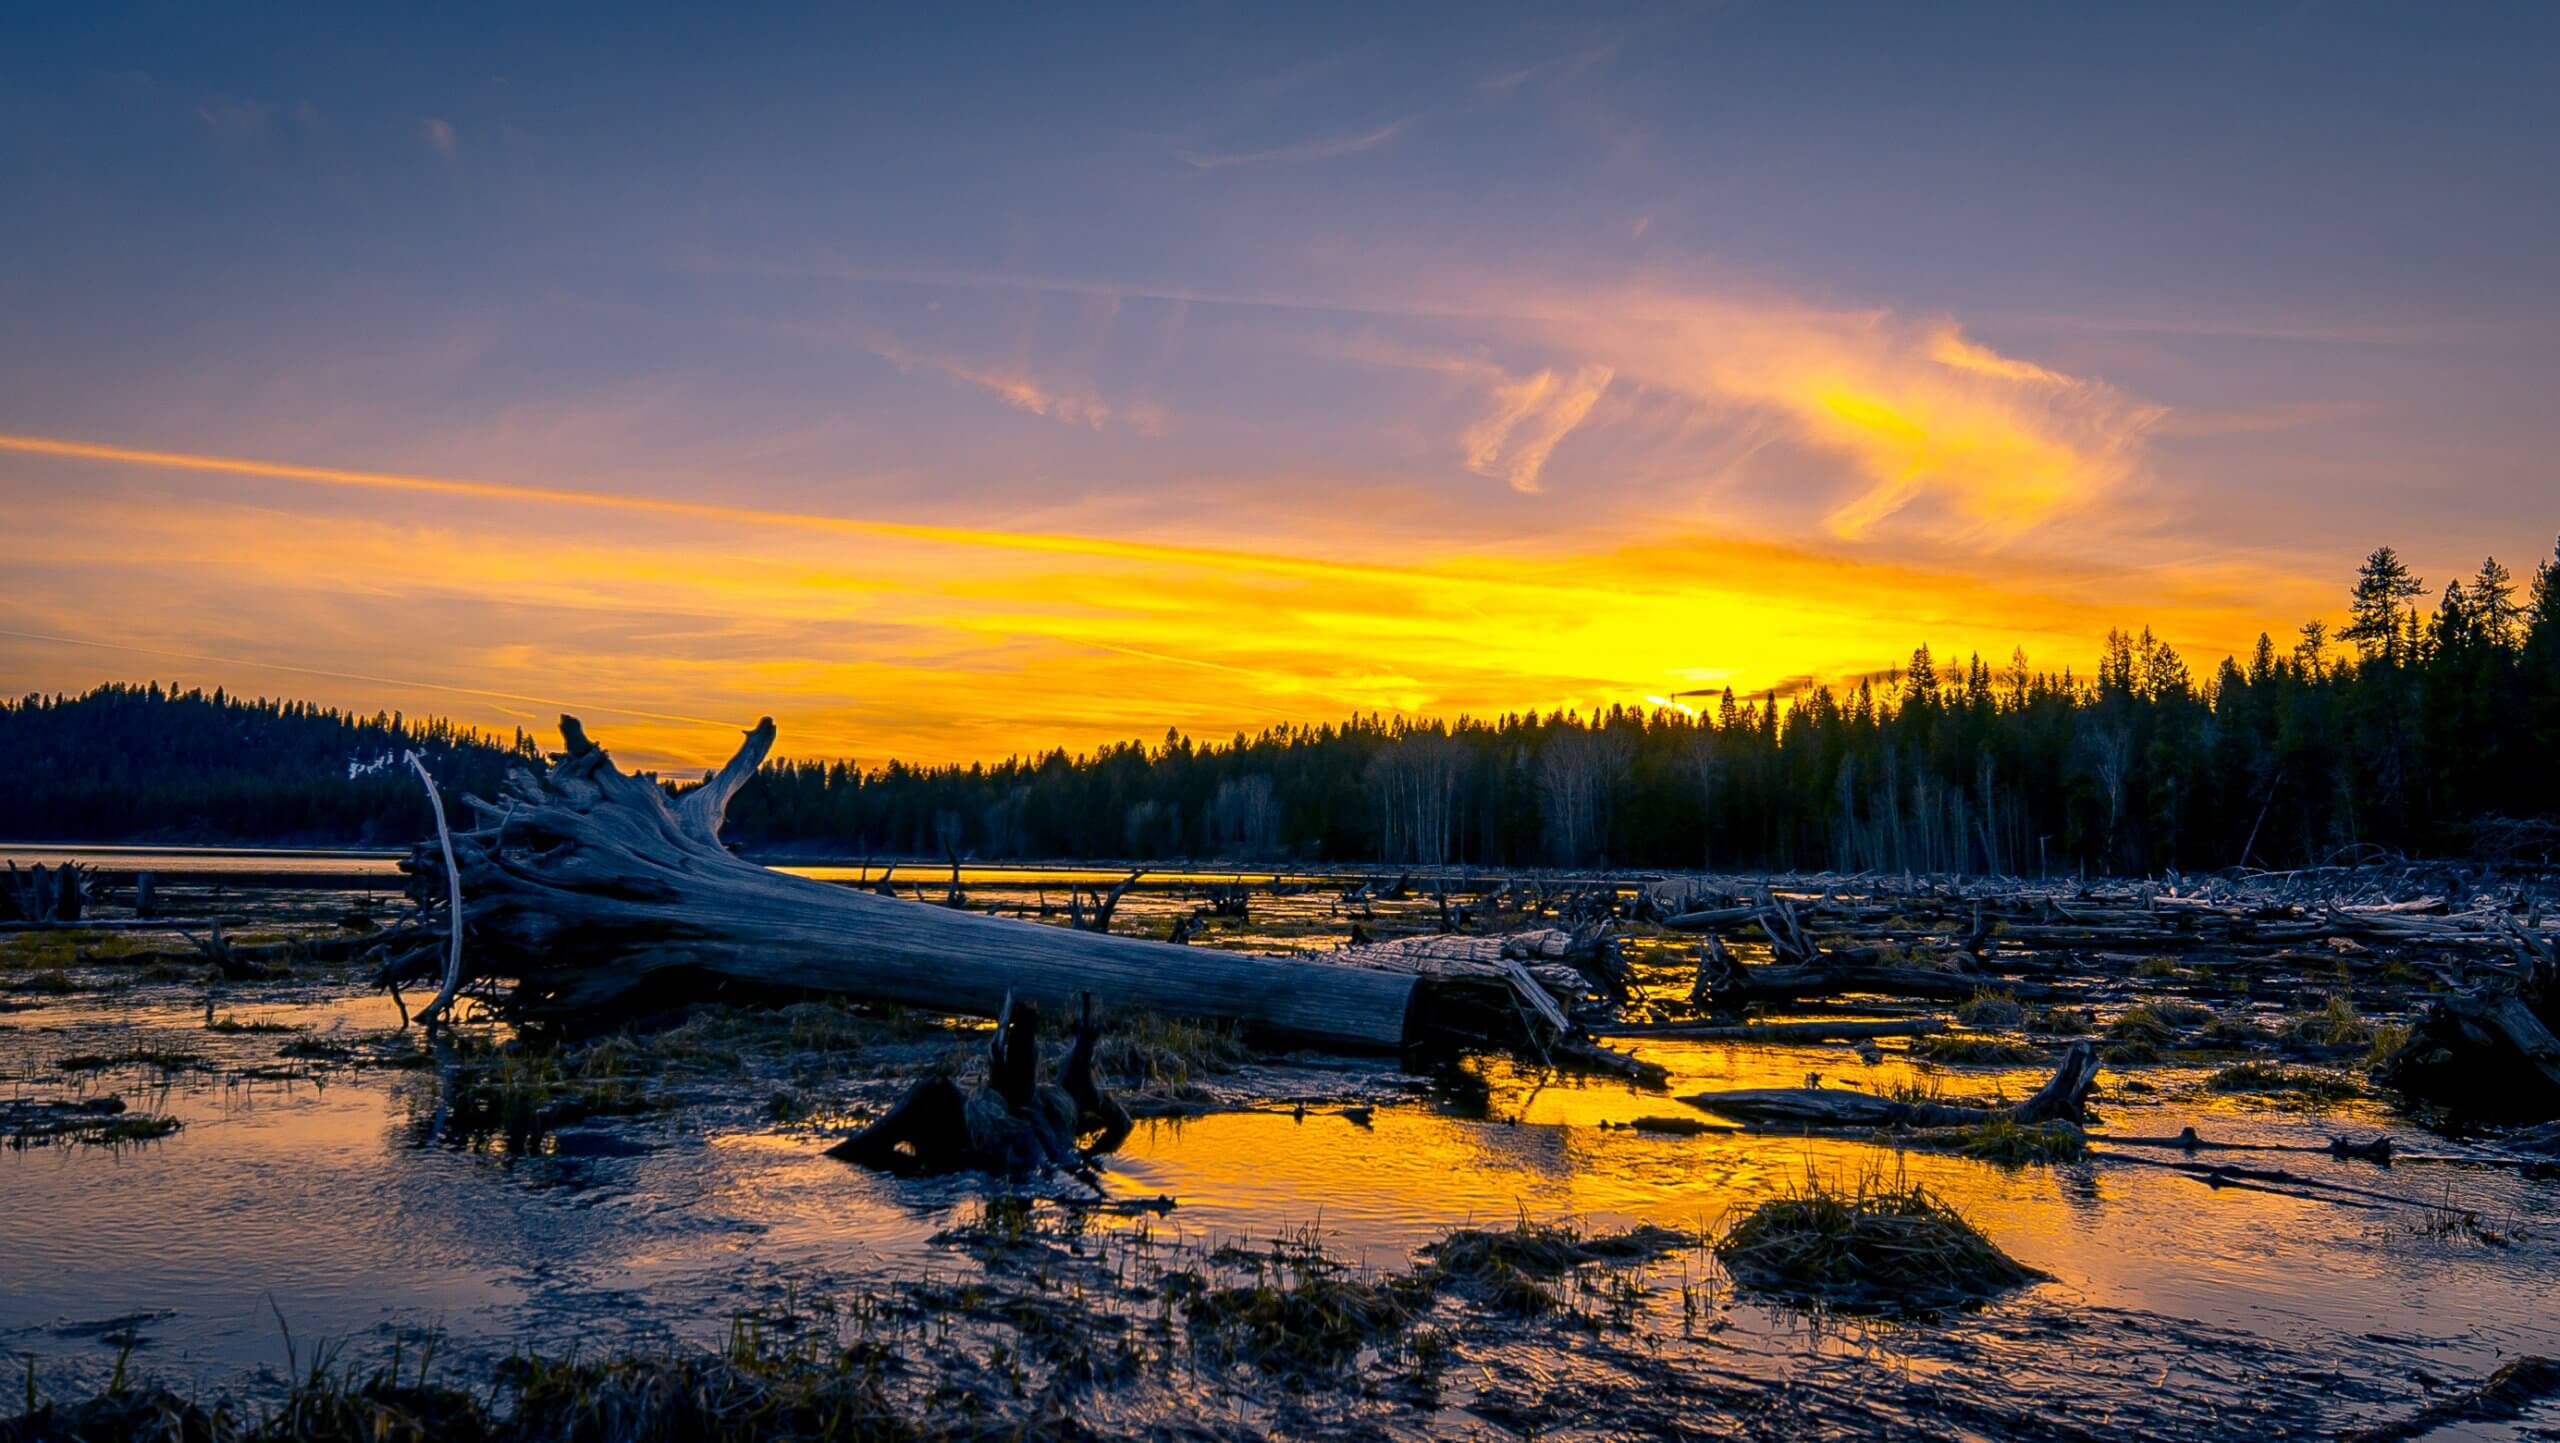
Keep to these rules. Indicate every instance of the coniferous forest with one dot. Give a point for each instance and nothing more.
(2427, 724)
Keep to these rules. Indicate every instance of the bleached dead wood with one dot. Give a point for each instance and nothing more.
(588, 887)
(2063, 1098)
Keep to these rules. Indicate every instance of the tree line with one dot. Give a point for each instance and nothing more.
(2416, 728)
(143, 763)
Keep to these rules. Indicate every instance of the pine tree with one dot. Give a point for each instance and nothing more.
(2493, 601)
(1922, 685)
(2383, 607)
(2311, 653)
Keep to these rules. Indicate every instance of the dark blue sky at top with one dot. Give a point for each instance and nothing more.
(630, 188)
(1973, 154)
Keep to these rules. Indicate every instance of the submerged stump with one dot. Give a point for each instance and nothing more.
(1011, 1122)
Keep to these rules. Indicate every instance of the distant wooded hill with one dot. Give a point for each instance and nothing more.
(2413, 730)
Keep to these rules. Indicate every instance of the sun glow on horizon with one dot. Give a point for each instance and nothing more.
(940, 643)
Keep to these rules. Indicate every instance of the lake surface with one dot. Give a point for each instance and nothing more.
(315, 1202)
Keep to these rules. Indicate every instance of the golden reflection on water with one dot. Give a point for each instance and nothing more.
(2122, 1235)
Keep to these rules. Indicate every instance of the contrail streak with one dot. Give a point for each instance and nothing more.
(1052, 543)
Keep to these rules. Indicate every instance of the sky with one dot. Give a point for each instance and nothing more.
(955, 385)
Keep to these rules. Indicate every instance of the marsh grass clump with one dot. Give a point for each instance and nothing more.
(1300, 1320)
(50, 982)
(2235, 1029)
(98, 1121)
(2015, 1144)
(516, 1093)
(162, 1059)
(2156, 1023)
(1974, 1050)
(751, 1390)
(1508, 1270)
(718, 1038)
(1163, 1056)
(2450, 1221)
(1991, 1008)
(1889, 1245)
(2335, 1023)
(52, 949)
(2270, 1077)
(2061, 1021)
(1008, 1223)
(230, 1026)
(1928, 1091)
(2388, 1039)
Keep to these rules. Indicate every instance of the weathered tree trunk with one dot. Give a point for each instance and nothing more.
(2489, 1055)
(587, 885)
(2063, 1098)
(48, 897)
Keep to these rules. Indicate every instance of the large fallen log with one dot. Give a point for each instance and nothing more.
(589, 888)
(2063, 1098)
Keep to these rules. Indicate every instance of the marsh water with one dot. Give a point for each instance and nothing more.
(304, 1202)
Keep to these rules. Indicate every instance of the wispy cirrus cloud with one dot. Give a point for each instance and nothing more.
(439, 136)
(1931, 430)
(1925, 428)
(1324, 149)
(1530, 417)
(1072, 404)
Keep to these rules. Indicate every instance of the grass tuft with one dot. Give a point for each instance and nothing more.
(1881, 1245)
(2335, 1023)
(2270, 1077)
(2015, 1144)
(2061, 1021)
(1974, 1050)
(1991, 1008)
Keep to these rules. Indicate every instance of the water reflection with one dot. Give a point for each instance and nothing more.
(309, 1189)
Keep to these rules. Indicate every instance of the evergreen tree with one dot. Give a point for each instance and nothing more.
(2383, 607)
(2493, 599)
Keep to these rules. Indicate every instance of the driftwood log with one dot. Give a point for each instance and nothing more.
(2491, 1053)
(589, 889)
(2063, 1098)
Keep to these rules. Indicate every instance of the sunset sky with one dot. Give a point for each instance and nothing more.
(954, 388)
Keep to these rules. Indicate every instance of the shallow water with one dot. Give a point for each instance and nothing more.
(310, 1204)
